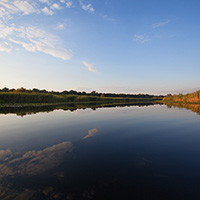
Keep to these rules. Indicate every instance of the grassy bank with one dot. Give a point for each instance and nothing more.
(16, 97)
(23, 101)
(191, 98)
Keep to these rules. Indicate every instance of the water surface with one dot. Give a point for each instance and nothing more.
(149, 152)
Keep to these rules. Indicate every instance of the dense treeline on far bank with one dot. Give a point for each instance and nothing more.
(180, 98)
(22, 95)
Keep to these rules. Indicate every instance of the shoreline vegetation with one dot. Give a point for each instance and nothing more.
(24, 101)
(25, 96)
(190, 98)
(190, 101)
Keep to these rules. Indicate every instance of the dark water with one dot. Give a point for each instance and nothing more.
(150, 152)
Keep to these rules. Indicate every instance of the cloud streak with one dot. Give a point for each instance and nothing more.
(160, 24)
(47, 11)
(32, 39)
(68, 3)
(104, 16)
(141, 38)
(60, 26)
(5, 47)
(24, 7)
(90, 67)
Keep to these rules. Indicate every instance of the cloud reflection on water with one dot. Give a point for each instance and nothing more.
(30, 164)
(91, 133)
(33, 162)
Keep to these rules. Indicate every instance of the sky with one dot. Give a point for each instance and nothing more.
(121, 46)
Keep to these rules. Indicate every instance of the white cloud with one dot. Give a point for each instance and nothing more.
(5, 47)
(6, 30)
(33, 39)
(141, 38)
(27, 46)
(107, 17)
(69, 4)
(10, 7)
(60, 26)
(91, 133)
(45, 1)
(56, 6)
(47, 11)
(90, 67)
(25, 7)
(160, 24)
(87, 7)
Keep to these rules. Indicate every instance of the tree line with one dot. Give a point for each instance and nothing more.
(73, 92)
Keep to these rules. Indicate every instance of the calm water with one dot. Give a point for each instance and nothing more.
(150, 152)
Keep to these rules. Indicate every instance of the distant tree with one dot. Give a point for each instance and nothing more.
(35, 90)
(21, 89)
(93, 93)
(72, 92)
(44, 91)
(5, 89)
(65, 92)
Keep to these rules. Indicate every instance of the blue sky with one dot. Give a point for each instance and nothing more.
(124, 46)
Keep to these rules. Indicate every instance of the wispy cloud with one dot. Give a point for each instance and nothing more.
(104, 16)
(8, 8)
(6, 30)
(32, 39)
(68, 3)
(5, 47)
(91, 133)
(60, 26)
(141, 38)
(160, 24)
(45, 1)
(90, 67)
(29, 37)
(56, 6)
(87, 7)
(47, 11)
(24, 7)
